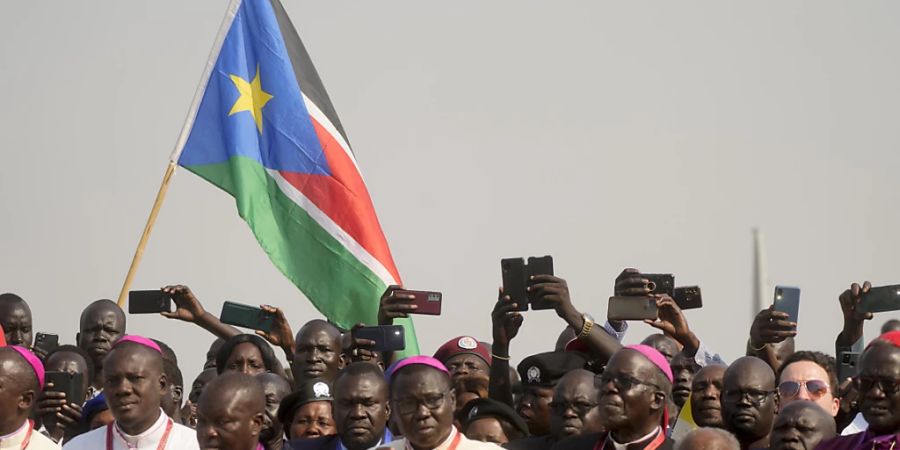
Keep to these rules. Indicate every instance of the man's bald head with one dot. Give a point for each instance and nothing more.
(317, 352)
(748, 400)
(101, 324)
(708, 439)
(231, 412)
(16, 320)
(18, 388)
(663, 344)
(102, 306)
(801, 424)
(151, 358)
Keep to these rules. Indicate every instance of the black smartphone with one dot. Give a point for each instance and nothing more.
(542, 265)
(661, 283)
(848, 366)
(428, 302)
(631, 308)
(688, 297)
(514, 281)
(880, 299)
(787, 299)
(246, 316)
(72, 384)
(388, 338)
(149, 302)
(47, 342)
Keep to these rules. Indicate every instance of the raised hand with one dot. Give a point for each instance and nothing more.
(188, 308)
(671, 321)
(853, 318)
(771, 327)
(630, 283)
(555, 291)
(505, 320)
(359, 349)
(394, 305)
(281, 334)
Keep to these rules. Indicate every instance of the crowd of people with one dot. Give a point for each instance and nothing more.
(338, 392)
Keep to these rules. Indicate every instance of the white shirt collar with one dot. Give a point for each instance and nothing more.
(14, 433)
(619, 446)
(442, 445)
(154, 433)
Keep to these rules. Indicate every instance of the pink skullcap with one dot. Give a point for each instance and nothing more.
(36, 365)
(891, 337)
(414, 360)
(140, 340)
(655, 357)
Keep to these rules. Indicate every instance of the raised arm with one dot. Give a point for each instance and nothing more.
(189, 309)
(505, 324)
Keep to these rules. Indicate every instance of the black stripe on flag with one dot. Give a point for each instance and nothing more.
(307, 77)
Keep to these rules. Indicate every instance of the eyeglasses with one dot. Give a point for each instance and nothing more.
(409, 405)
(620, 381)
(791, 389)
(581, 408)
(887, 385)
(756, 396)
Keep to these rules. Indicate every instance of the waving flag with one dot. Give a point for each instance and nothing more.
(263, 129)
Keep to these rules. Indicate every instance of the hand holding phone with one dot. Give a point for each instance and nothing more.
(394, 304)
(44, 343)
(787, 300)
(536, 267)
(386, 338)
(660, 283)
(247, 316)
(631, 308)
(688, 297)
(149, 302)
(426, 302)
(514, 281)
(879, 299)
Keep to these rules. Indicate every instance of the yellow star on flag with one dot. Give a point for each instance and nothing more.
(252, 98)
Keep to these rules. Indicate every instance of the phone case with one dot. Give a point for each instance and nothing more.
(880, 299)
(514, 277)
(538, 266)
(388, 338)
(688, 297)
(787, 299)
(46, 341)
(148, 302)
(631, 308)
(664, 283)
(848, 365)
(72, 384)
(429, 302)
(246, 316)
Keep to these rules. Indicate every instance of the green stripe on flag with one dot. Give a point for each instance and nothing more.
(339, 285)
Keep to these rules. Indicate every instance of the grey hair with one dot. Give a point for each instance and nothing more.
(731, 443)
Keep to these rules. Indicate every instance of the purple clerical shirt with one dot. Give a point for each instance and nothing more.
(862, 441)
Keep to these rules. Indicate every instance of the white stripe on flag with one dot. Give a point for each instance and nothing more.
(320, 117)
(332, 228)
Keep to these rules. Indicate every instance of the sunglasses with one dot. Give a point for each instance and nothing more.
(791, 389)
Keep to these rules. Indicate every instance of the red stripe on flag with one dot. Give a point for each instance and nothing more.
(344, 198)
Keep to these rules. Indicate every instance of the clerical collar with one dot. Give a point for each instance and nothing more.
(386, 438)
(10, 435)
(624, 446)
(156, 428)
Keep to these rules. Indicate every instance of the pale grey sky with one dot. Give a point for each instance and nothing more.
(608, 134)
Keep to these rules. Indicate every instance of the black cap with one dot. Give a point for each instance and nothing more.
(312, 391)
(545, 369)
(480, 408)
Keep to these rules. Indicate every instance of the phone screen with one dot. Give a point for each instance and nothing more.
(149, 302)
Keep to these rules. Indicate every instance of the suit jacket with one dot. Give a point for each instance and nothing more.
(332, 442)
(530, 443)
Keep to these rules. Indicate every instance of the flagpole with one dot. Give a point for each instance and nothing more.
(139, 252)
(233, 6)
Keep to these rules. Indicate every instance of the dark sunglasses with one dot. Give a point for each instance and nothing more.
(791, 389)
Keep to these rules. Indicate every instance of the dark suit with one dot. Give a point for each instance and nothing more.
(332, 442)
(530, 443)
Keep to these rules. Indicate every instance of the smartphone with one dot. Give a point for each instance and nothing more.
(631, 308)
(388, 338)
(849, 365)
(661, 283)
(880, 299)
(787, 299)
(149, 302)
(47, 342)
(72, 384)
(514, 281)
(429, 302)
(688, 297)
(542, 265)
(246, 316)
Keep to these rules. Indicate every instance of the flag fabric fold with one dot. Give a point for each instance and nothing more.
(266, 132)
